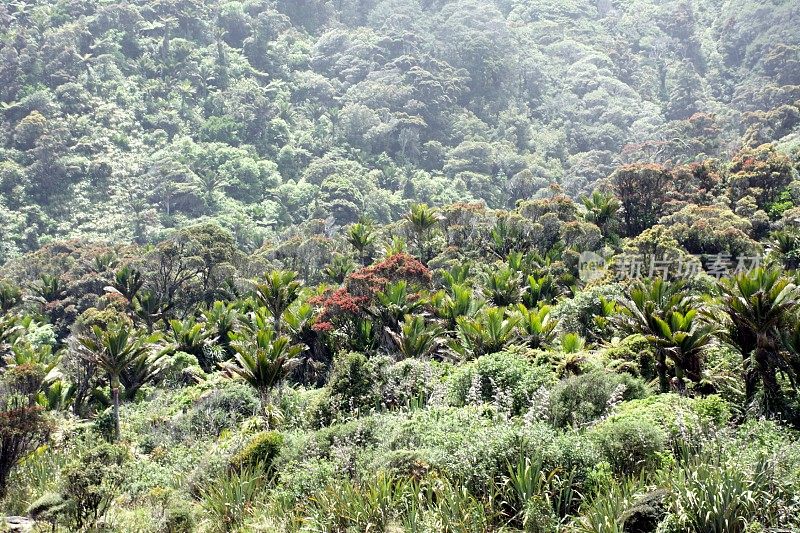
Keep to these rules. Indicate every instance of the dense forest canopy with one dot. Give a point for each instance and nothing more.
(122, 120)
(424, 266)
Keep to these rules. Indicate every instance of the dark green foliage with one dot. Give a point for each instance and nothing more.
(10, 295)
(179, 518)
(579, 400)
(634, 354)
(507, 379)
(260, 451)
(759, 303)
(182, 369)
(260, 116)
(103, 424)
(413, 464)
(91, 482)
(361, 265)
(647, 512)
(220, 408)
(409, 383)
(354, 384)
(23, 427)
(630, 446)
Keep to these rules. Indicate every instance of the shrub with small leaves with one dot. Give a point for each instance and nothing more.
(493, 376)
(578, 400)
(179, 518)
(633, 354)
(92, 482)
(354, 384)
(261, 450)
(630, 446)
(221, 408)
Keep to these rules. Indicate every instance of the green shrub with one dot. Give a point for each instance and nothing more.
(683, 419)
(182, 369)
(633, 354)
(221, 408)
(103, 424)
(459, 442)
(578, 400)
(538, 516)
(179, 518)
(91, 482)
(599, 479)
(629, 445)
(503, 378)
(712, 410)
(213, 463)
(725, 367)
(409, 381)
(579, 314)
(569, 451)
(320, 408)
(354, 385)
(406, 464)
(296, 406)
(361, 432)
(261, 450)
(299, 479)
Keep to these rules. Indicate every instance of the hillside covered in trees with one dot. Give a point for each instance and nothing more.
(394, 266)
(122, 120)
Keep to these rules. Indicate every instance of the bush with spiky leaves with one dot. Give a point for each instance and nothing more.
(760, 304)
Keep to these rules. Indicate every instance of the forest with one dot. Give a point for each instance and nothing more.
(426, 266)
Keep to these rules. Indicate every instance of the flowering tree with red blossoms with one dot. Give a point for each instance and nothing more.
(345, 309)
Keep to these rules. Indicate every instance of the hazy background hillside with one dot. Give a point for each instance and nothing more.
(121, 120)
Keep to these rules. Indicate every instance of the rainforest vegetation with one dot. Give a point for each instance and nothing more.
(400, 266)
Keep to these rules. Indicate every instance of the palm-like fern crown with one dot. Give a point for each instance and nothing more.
(264, 359)
(422, 217)
(117, 347)
(417, 338)
(360, 236)
(25, 353)
(488, 331)
(667, 314)
(758, 303)
(759, 300)
(460, 300)
(600, 208)
(503, 286)
(278, 291)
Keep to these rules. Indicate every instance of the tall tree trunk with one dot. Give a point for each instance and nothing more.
(679, 379)
(773, 396)
(4, 471)
(750, 384)
(661, 369)
(115, 397)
